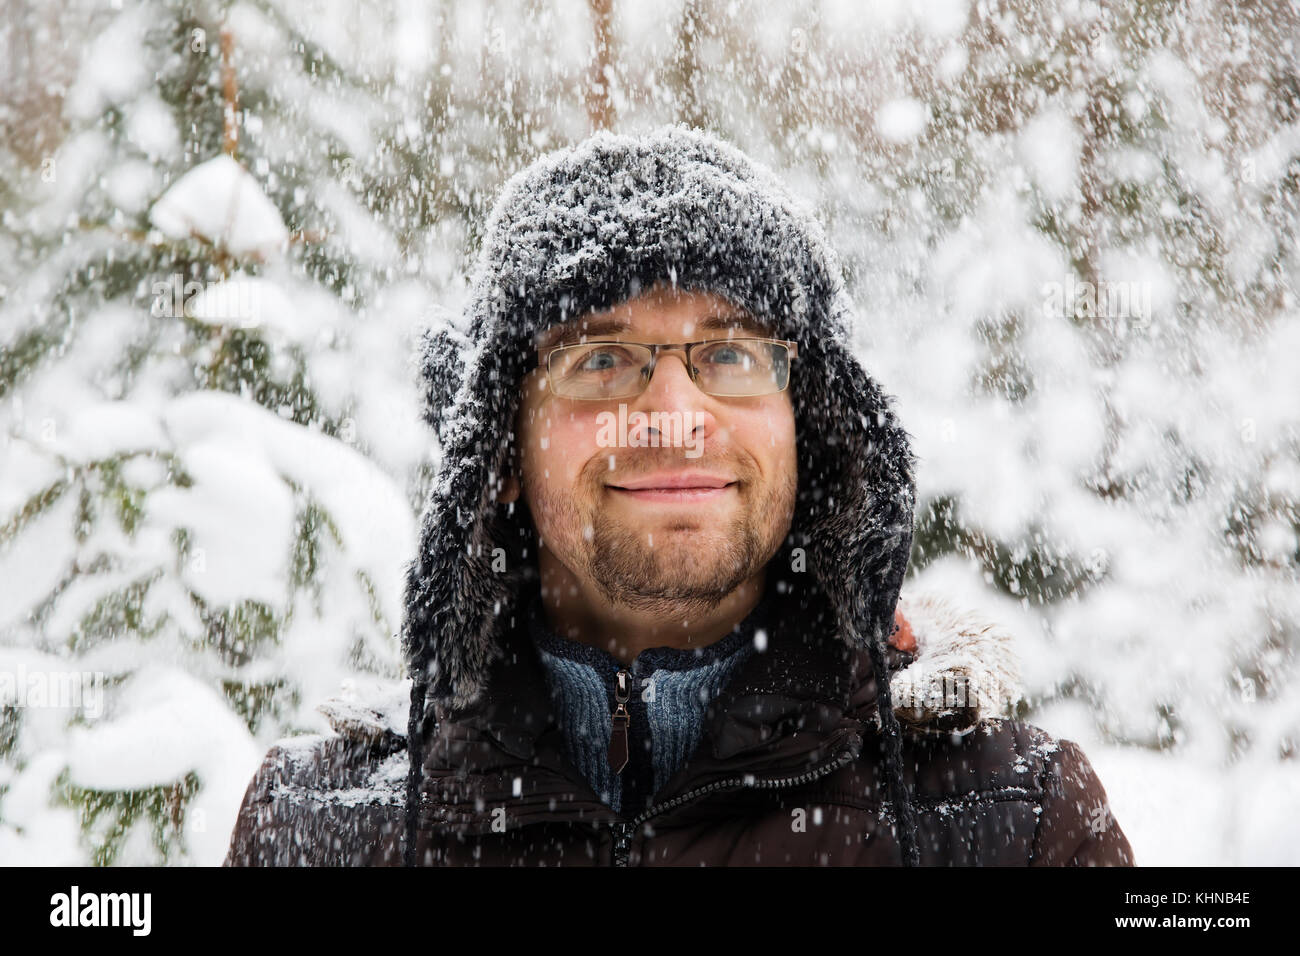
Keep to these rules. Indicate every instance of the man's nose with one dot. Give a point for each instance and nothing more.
(672, 390)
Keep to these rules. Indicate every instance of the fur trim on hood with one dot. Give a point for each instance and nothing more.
(965, 668)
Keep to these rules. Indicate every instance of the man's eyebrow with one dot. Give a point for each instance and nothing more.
(561, 333)
(731, 320)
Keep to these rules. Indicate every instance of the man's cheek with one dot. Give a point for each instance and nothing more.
(558, 467)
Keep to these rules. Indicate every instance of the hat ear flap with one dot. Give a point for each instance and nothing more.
(442, 368)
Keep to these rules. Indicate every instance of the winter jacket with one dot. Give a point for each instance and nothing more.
(788, 773)
(826, 748)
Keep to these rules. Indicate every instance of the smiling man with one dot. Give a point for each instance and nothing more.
(656, 616)
(653, 548)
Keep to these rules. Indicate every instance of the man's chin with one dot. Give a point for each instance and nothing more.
(670, 592)
(692, 536)
(668, 562)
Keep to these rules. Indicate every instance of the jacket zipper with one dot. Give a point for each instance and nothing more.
(622, 832)
(622, 721)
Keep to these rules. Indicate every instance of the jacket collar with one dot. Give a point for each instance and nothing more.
(782, 710)
(959, 649)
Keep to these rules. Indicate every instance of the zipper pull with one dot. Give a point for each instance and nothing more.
(621, 844)
(618, 749)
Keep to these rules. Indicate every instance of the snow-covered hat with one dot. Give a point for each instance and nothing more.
(584, 228)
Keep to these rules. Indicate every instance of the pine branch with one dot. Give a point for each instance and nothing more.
(229, 95)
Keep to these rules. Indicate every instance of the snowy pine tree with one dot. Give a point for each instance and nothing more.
(218, 542)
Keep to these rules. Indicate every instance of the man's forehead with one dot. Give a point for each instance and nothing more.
(730, 319)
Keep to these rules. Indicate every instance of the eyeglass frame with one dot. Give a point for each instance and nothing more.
(545, 352)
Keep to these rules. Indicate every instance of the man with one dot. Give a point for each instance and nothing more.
(660, 573)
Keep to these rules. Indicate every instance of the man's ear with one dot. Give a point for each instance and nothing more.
(509, 490)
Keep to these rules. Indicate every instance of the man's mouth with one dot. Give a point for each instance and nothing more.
(675, 487)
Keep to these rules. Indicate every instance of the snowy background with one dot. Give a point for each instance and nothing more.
(1070, 227)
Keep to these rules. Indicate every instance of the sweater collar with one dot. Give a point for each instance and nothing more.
(802, 675)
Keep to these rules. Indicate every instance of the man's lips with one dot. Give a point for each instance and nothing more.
(675, 480)
(675, 487)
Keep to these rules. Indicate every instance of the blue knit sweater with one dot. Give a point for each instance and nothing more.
(671, 691)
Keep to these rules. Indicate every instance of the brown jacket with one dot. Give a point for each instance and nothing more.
(788, 773)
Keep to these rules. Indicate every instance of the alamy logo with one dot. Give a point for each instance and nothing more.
(236, 301)
(944, 691)
(41, 688)
(1098, 300)
(102, 909)
(652, 430)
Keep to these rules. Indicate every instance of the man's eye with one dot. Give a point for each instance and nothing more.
(603, 359)
(730, 355)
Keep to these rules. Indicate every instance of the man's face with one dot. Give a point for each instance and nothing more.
(674, 519)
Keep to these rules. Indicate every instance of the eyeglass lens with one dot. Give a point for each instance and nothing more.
(616, 369)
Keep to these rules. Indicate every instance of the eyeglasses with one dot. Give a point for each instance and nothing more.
(734, 368)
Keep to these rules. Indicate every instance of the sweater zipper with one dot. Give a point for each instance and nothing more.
(622, 832)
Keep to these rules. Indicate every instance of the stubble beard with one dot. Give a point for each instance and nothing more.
(691, 566)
